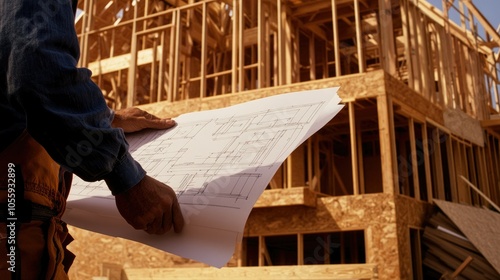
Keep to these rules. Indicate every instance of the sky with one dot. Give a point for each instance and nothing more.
(489, 8)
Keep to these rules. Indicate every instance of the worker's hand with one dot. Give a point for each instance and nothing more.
(134, 119)
(151, 206)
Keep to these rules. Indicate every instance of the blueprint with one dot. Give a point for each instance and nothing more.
(219, 162)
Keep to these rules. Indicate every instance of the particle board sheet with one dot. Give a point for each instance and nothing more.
(93, 249)
(330, 214)
(403, 94)
(287, 197)
(464, 126)
(458, 231)
(373, 213)
(410, 214)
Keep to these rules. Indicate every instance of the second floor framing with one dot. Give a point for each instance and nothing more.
(149, 51)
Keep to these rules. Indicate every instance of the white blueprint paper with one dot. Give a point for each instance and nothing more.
(218, 162)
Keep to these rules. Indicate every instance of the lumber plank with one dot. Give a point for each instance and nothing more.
(353, 271)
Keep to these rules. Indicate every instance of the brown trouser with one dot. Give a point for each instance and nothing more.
(41, 239)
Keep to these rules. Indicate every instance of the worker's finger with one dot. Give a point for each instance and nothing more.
(139, 222)
(166, 222)
(156, 123)
(156, 226)
(178, 219)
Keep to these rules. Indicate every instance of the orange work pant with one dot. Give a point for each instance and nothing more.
(41, 240)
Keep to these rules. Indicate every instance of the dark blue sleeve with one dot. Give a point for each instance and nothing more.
(65, 111)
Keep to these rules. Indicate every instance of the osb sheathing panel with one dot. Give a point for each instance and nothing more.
(409, 213)
(402, 93)
(369, 84)
(287, 197)
(374, 213)
(464, 126)
(93, 249)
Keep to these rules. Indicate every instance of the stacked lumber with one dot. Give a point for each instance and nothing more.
(447, 251)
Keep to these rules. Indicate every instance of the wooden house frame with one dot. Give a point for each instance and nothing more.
(422, 109)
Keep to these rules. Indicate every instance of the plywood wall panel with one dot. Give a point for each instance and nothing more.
(93, 249)
(401, 93)
(373, 213)
(286, 197)
(330, 214)
(464, 126)
(410, 213)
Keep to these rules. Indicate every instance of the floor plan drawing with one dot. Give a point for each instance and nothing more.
(219, 161)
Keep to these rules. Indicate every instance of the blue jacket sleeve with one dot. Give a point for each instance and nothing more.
(65, 111)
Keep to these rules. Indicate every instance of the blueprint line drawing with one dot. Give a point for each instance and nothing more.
(218, 162)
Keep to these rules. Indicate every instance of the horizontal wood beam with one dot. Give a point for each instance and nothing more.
(344, 271)
(121, 62)
(315, 6)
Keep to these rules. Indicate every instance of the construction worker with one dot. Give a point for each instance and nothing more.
(55, 122)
